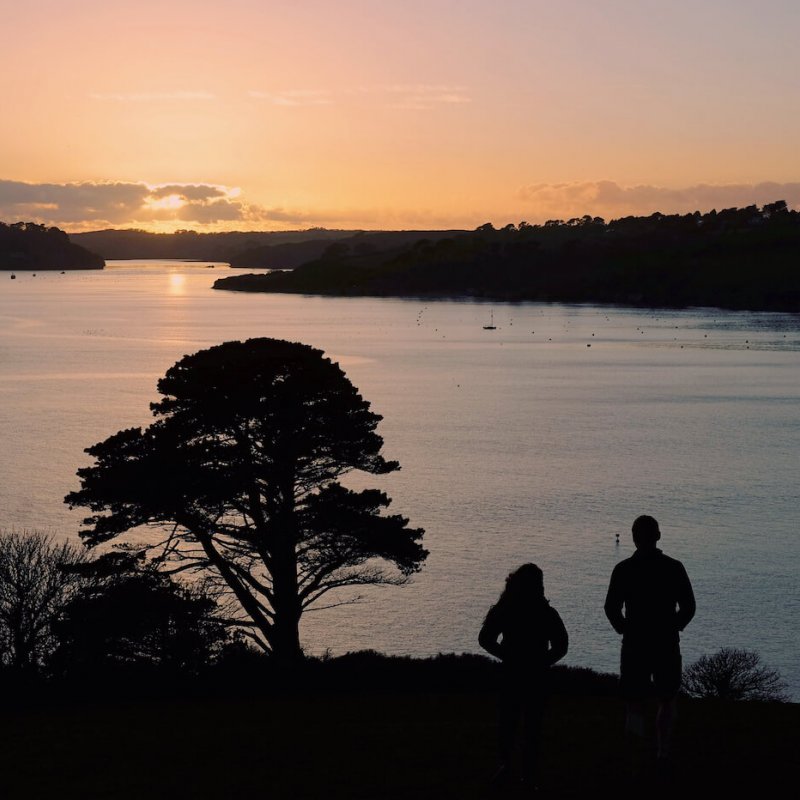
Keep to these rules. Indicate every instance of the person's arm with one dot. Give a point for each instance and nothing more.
(614, 602)
(559, 639)
(490, 634)
(686, 602)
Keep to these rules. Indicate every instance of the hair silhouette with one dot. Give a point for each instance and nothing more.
(524, 583)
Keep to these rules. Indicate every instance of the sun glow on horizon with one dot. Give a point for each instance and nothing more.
(377, 116)
(171, 202)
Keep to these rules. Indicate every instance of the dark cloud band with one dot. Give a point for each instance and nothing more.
(86, 206)
(117, 203)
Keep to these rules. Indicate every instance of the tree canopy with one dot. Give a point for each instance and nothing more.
(241, 471)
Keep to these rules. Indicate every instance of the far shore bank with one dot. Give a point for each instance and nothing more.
(254, 283)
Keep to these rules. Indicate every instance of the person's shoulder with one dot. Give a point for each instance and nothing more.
(622, 566)
(674, 568)
(552, 614)
(494, 614)
(672, 562)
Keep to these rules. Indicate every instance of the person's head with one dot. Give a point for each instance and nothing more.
(645, 531)
(525, 582)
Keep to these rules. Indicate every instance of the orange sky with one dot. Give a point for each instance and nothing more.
(248, 115)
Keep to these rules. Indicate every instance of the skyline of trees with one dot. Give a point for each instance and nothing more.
(736, 258)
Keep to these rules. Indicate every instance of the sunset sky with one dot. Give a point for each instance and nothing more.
(265, 114)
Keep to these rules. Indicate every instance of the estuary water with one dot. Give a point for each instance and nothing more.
(538, 441)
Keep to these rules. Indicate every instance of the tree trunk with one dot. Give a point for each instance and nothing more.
(286, 625)
(286, 600)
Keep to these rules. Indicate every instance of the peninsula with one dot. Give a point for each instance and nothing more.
(28, 246)
(737, 258)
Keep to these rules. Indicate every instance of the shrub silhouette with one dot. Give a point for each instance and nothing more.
(733, 674)
(128, 616)
(34, 588)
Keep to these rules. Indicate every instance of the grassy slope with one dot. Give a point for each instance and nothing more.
(369, 745)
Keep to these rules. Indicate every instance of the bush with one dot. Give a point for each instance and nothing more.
(35, 585)
(733, 674)
(130, 618)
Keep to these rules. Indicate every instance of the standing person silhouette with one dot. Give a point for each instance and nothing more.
(528, 636)
(658, 602)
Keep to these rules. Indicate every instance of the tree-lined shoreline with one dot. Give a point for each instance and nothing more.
(28, 246)
(736, 259)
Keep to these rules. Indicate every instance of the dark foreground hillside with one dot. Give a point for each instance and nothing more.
(371, 744)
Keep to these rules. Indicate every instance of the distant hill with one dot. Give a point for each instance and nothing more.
(288, 255)
(130, 244)
(28, 246)
(736, 258)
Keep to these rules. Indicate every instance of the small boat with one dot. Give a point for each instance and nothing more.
(491, 326)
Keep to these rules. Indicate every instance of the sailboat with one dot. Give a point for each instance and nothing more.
(491, 326)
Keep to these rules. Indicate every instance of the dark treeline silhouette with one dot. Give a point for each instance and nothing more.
(28, 246)
(289, 255)
(736, 258)
(249, 249)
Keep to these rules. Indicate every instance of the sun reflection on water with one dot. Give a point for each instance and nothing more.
(177, 283)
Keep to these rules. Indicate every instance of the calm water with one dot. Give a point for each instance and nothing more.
(518, 444)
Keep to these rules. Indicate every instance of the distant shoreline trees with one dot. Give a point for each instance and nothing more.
(191, 245)
(735, 258)
(28, 246)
